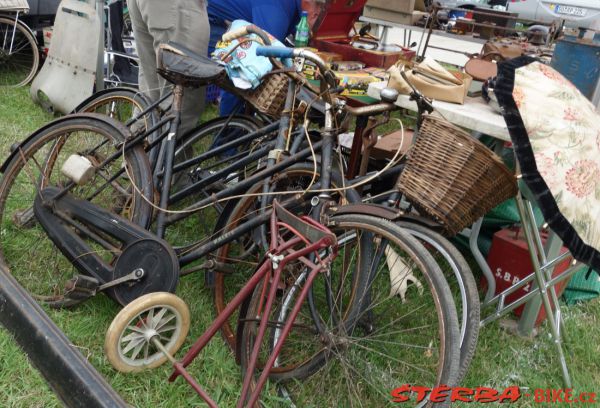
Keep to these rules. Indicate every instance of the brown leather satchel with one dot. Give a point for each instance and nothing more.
(506, 48)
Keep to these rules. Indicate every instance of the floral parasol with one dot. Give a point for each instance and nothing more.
(556, 134)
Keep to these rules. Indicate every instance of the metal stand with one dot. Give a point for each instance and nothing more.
(544, 260)
(74, 380)
(543, 277)
(100, 60)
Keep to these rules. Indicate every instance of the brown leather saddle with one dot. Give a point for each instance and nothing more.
(182, 66)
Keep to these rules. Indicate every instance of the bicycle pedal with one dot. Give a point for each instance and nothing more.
(81, 287)
(24, 218)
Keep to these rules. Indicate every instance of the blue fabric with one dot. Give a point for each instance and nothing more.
(230, 104)
(278, 17)
(242, 61)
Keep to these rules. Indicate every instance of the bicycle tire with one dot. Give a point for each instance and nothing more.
(457, 271)
(341, 351)
(122, 104)
(28, 56)
(37, 164)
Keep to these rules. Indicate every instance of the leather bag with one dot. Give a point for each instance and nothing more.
(432, 80)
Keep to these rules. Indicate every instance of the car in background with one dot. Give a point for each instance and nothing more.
(471, 4)
(576, 13)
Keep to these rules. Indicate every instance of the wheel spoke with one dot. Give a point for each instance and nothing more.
(137, 350)
(133, 344)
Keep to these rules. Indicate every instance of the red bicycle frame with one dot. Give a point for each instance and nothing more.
(281, 252)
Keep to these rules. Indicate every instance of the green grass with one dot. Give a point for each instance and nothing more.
(502, 359)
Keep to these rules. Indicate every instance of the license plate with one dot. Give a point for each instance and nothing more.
(570, 10)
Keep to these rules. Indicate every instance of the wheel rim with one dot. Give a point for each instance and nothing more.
(202, 223)
(19, 56)
(161, 322)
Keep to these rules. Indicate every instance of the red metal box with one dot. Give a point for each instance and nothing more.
(331, 34)
(510, 262)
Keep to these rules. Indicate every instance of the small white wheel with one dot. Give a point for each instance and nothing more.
(129, 344)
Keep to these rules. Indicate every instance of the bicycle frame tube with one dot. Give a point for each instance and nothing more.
(169, 147)
(284, 124)
(12, 40)
(194, 252)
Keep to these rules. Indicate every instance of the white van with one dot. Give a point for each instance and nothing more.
(576, 13)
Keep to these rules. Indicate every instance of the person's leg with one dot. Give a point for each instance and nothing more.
(148, 78)
(184, 22)
(193, 31)
(229, 104)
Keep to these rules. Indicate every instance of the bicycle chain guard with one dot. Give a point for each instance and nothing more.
(141, 248)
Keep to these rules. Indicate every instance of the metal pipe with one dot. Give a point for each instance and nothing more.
(72, 378)
(370, 110)
(542, 289)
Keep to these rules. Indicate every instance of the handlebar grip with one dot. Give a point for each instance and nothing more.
(233, 34)
(275, 52)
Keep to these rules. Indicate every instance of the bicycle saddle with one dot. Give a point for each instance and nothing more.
(181, 66)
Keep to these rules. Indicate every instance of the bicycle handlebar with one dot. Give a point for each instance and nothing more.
(249, 29)
(276, 52)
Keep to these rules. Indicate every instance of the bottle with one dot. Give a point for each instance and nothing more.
(302, 31)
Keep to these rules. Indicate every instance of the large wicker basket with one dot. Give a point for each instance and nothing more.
(269, 97)
(453, 177)
(14, 5)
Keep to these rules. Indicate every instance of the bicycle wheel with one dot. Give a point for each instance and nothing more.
(19, 55)
(129, 345)
(462, 285)
(382, 316)
(237, 259)
(37, 164)
(190, 146)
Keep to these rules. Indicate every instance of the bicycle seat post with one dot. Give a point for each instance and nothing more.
(169, 145)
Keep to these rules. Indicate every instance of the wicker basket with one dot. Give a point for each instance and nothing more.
(453, 177)
(269, 97)
(14, 5)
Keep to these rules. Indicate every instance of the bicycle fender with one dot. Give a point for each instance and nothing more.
(387, 213)
(109, 90)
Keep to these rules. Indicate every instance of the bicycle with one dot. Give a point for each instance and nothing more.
(122, 282)
(19, 53)
(282, 322)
